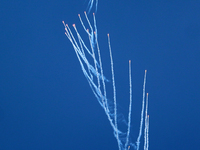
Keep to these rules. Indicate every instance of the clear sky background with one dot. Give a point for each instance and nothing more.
(45, 100)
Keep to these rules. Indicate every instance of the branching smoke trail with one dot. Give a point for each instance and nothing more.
(93, 72)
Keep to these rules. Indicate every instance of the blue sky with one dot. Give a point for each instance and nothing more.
(45, 100)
